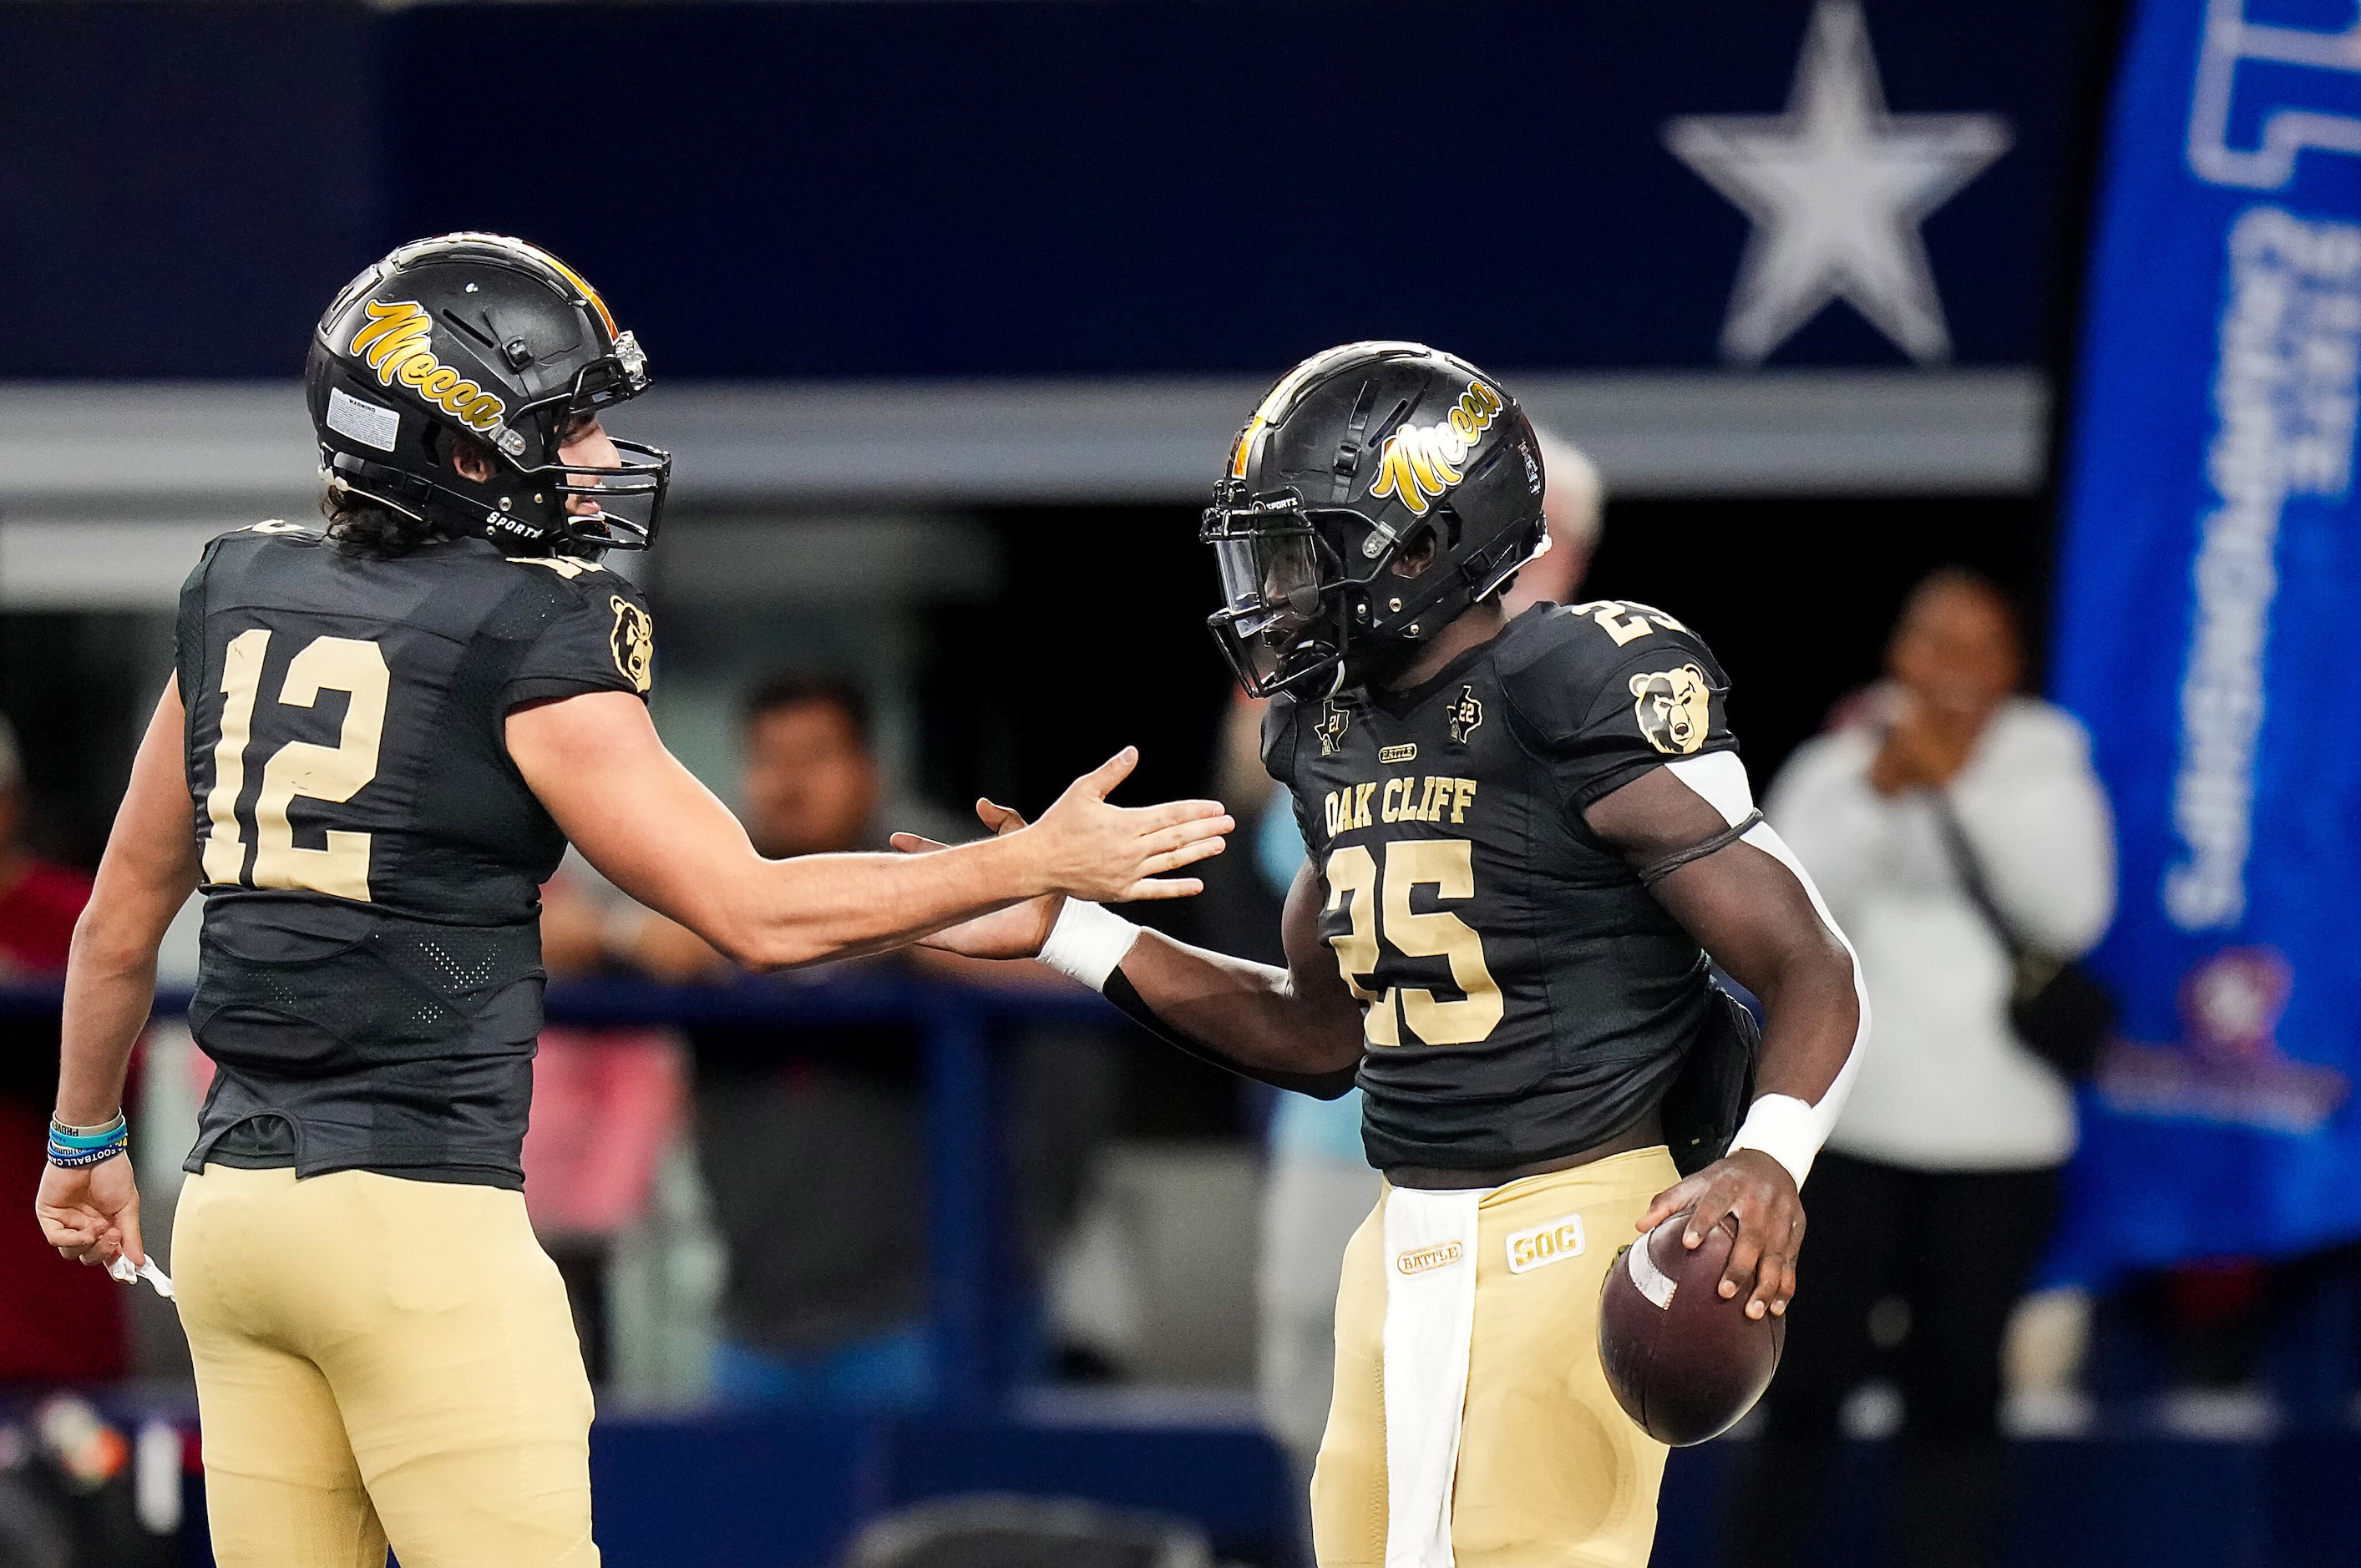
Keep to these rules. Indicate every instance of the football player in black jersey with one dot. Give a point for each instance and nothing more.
(1526, 837)
(377, 741)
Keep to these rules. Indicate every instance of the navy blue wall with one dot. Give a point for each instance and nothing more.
(182, 187)
(980, 188)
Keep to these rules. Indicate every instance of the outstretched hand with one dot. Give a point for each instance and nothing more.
(1755, 1193)
(90, 1214)
(1089, 849)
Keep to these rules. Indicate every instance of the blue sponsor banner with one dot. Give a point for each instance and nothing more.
(2209, 616)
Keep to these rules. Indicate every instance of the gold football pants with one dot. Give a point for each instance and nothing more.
(1551, 1472)
(381, 1359)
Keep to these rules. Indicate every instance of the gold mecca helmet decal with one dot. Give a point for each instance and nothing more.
(1421, 461)
(397, 341)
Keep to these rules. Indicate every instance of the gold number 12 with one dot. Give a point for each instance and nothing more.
(334, 773)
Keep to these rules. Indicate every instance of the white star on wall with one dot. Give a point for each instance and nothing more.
(1836, 187)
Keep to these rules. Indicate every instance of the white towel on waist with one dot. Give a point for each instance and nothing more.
(1430, 1315)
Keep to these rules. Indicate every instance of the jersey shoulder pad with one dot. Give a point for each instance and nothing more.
(589, 628)
(1611, 676)
(1278, 725)
(262, 535)
(241, 561)
(257, 537)
(565, 584)
(567, 568)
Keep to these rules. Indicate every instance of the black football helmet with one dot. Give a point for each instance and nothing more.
(1356, 460)
(482, 335)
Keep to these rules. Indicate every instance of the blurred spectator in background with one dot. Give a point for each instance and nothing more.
(60, 1322)
(607, 1105)
(1935, 1194)
(1575, 504)
(811, 1145)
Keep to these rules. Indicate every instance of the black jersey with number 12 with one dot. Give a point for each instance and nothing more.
(1524, 996)
(369, 979)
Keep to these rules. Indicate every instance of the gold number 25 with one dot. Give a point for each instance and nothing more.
(1449, 865)
(333, 773)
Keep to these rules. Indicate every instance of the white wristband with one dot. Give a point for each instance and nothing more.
(1784, 1128)
(1087, 942)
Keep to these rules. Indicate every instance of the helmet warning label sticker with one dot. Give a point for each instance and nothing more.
(1543, 1244)
(372, 425)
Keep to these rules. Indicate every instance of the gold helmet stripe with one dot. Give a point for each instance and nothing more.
(588, 293)
(525, 248)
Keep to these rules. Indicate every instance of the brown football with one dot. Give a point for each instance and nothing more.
(1683, 1362)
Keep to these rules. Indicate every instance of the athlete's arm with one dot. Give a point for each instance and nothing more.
(1751, 906)
(596, 763)
(1295, 1028)
(149, 870)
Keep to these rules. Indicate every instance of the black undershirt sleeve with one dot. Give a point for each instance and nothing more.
(1320, 1086)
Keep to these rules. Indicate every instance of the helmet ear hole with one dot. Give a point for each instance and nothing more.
(1416, 552)
(470, 459)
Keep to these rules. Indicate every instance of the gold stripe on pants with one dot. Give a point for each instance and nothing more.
(1551, 1472)
(381, 1359)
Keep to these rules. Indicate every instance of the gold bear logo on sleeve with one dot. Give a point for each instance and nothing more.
(635, 644)
(1674, 708)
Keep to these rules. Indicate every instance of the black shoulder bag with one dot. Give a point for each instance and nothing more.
(2057, 1007)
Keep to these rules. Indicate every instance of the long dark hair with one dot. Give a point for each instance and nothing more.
(369, 527)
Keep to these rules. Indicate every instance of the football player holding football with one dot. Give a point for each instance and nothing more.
(1528, 839)
(377, 741)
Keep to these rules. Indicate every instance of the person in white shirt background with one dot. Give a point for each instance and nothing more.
(1937, 1187)
(1318, 1186)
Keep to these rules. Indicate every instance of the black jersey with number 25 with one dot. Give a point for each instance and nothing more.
(369, 979)
(1524, 996)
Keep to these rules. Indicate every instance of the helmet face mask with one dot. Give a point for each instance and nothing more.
(489, 340)
(1283, 622)
(1360, 462)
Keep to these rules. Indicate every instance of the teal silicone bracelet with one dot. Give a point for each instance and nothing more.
(87, 1140)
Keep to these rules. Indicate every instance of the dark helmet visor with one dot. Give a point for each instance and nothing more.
(1281, 620)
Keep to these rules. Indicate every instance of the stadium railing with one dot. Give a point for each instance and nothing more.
(970, 1211)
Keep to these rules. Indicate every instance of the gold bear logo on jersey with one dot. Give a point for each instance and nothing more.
(1674, 708)
(635, 643)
